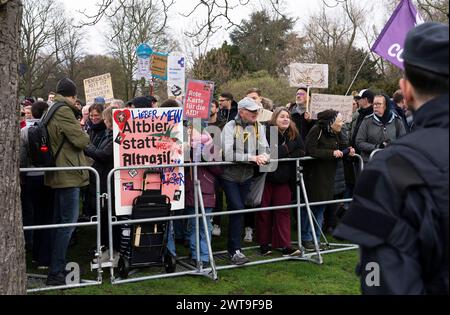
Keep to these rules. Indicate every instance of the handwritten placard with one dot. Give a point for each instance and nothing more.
(144, 137)
(159, 66)
(312, 75)
(342, 104)
(98, 86)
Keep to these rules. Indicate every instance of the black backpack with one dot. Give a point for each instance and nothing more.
(40, 150)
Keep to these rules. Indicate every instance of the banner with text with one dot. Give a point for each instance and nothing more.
(197, 103)
(98, 86)
(176, 75)
(148, 137)
(159, 66)
(342, 104)
(312, 75)
(390, 43)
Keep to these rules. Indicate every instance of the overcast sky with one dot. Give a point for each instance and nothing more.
(300, 9)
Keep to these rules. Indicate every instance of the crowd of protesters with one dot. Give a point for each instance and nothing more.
(83, 134)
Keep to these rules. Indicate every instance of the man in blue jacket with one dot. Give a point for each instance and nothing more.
(399, 215)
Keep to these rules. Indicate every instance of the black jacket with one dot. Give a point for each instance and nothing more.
(399, 215)
(96, 133)
(225, 115)
(102, 154)
(320, 173)
(302, 124)
(285, 172)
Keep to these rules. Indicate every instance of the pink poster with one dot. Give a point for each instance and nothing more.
(144, 137)
(197, 102)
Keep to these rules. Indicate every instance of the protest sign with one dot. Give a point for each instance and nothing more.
(311, 75)
(98, 86)
(144, 53)
(159, 66)
(389, 44)
(342, 104)
(144, 137)
(176, 75)
(197, 103)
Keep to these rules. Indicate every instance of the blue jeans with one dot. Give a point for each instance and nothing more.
(180, 227)
(204, 254)
(236, 194)
(171, 241)
(66, 211)
(318, 212)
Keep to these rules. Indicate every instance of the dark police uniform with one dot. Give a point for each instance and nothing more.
(399, 215)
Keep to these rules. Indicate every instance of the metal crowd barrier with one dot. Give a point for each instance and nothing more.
(372, 155)
(211, 272)
(84, 283)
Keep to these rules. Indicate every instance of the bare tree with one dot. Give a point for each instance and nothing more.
(431, 10)
(43, 27)
(137, 22)
(327, 39)
(12, 249)
(72, 49)
(218, 14)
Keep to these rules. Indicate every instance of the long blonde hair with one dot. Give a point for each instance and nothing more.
(292, 131)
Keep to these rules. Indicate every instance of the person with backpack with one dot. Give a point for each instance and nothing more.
(380, 129)
(400, 213)
(67, 139)
(37, 199)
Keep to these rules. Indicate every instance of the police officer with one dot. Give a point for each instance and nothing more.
(399, 215)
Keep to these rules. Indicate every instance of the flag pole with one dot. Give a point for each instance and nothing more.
(360, 68)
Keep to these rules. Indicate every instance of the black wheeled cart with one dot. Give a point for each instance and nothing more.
(145, 244)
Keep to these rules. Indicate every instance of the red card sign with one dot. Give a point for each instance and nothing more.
(197, 103)
(121, 117)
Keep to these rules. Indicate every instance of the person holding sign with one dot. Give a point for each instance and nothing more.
(300, 113)
(244, 141)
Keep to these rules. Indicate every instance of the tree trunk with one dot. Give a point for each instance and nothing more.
(12, 252)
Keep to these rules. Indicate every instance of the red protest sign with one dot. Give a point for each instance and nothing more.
(197, 103)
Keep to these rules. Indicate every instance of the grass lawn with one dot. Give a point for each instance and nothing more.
(335, 277)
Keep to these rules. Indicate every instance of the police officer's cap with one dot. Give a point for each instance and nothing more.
(426, 47)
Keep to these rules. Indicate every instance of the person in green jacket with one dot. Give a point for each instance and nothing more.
(63, 128)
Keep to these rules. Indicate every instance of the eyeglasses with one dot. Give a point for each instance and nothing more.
(378, 104)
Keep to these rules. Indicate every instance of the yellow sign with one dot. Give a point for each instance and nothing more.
(159, 66)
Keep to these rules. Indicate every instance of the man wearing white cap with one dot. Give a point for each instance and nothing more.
(244, 141)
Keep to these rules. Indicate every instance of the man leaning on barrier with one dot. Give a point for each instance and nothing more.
(64, 128)
(399, 215)
(243, 141)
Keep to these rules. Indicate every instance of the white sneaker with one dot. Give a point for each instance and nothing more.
(248, 238)
(216, 231)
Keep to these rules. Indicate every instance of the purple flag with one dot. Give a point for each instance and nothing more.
(391, 41)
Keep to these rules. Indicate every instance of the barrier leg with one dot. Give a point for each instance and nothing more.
(110, 228)
(310, 217)
(299, 217)
(208, 239)
(197, 219)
